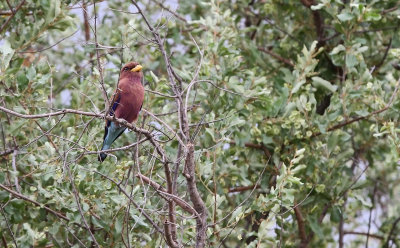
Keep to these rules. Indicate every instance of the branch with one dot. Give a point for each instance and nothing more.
(318, 22)
(199, 206)
(256, 146)
(169, 237)
(6, 152)
(370, 212)
(244, 188)
(301, 226)
(14, 167)
(86, 21)
(364, 234)
(391, 232)
(103, 89)
(376, 67)
(163, 193)
(9, 228)
(12, 15)
(278, 57)
(189, 169)
(51, 46)
(170, 11)
(61, 112)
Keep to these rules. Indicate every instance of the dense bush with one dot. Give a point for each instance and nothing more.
(265, 123)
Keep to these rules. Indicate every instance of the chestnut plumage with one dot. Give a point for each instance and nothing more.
(126, 104)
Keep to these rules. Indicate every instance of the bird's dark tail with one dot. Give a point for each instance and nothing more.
(102, 156)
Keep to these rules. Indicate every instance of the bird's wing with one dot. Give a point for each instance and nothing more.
(114, 104)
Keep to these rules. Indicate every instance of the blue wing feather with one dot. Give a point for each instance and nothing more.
(115, 103)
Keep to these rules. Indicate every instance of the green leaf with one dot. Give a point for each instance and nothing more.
(372, 16)
(6, 53)
(343, 17)
(315, 226)
(119, 222)
(31, 73)
(337, 49)
(351, 60)
(298, 85)
(317, 7)
(336, 214)
(322, 83)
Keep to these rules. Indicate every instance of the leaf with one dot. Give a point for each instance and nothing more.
(363, 202)
(154, 77)
(336, 214)
(6, 54)
(298, 85)
(237, 214)
(322, 83)
(318, 6)
(351, 60)
(338, 49)
(31, 73)
(332, 141)
(345, 17)
(372, 16)
(139, 220)
(119, 222)
(298, 168)
(315, 226)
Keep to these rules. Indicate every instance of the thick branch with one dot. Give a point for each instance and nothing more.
(163, 192)
(301, 226)
(201, 225)
(318, 21)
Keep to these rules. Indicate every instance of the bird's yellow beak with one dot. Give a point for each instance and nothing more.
(137, 68)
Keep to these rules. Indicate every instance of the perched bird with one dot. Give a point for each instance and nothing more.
(126, 104)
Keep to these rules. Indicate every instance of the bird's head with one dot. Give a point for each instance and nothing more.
(131, 70)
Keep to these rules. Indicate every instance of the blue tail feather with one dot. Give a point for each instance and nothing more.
(113, 131)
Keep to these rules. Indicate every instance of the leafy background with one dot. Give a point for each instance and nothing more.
(294, 117)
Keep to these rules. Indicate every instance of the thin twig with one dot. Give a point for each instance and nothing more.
(364, 234)
(99, 67)
(392, 230)
(131, 200)
(8, 226)
(170, 11)
(11, 17)
(276, 56)
(14, 166)
(49, 47)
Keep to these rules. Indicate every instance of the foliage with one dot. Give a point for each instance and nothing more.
(292, 107)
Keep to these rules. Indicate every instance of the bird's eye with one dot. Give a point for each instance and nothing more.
(126, 68)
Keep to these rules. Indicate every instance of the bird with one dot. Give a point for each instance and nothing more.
(126, 103)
